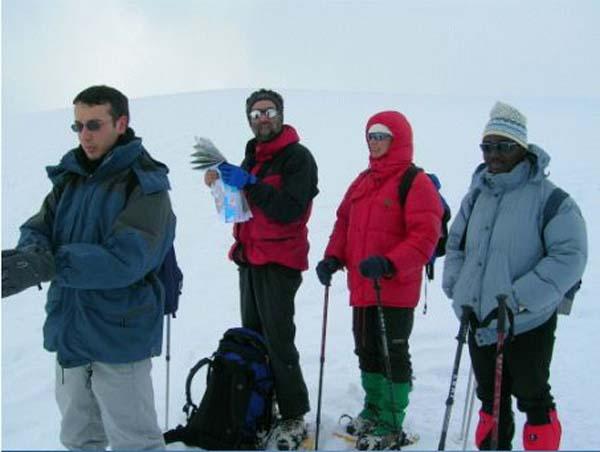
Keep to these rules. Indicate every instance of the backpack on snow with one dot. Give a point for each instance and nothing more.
(407, 179)
(236, 410)
(554, 201)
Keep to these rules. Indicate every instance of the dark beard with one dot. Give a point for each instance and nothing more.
(274, 132)
(268, 137)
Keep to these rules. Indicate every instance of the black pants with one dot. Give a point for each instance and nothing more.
(267, 306)
(368, 345)
(525, 375)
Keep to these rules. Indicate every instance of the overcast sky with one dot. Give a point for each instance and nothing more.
(52, 49)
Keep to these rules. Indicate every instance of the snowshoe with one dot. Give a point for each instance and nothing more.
(385, 440)
(356, 426)
(288, 434)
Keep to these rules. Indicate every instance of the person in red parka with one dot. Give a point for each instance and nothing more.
(375, 237)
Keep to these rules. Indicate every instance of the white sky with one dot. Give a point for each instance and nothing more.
(51, 50)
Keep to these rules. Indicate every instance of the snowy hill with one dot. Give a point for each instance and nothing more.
(447, 132)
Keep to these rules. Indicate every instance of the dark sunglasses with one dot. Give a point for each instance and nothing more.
(269, 113)
(503, 147)
(378, 136)
(92, 125)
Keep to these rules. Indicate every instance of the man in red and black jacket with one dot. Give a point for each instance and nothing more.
(279, 178)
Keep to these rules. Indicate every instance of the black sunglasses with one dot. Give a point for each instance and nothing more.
(503, 147)
(269, 113)
(378, 136)
(92, 125)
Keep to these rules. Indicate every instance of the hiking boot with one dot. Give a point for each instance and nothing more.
(365, 421)
(288, 434)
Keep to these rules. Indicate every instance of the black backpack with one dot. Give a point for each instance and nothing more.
(236, 411)
(407, 179)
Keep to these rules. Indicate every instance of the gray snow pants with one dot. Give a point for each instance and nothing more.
(267, 306)
(104, 404)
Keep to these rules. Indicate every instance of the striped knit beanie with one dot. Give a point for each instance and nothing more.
(508, 122)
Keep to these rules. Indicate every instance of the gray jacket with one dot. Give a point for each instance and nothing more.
(503, 249)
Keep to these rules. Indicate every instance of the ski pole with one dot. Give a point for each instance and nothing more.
(322, 364)
(461, 336)
(467, 398)
(499, 360)
(469, 416)
(386, 359)
(168, 362)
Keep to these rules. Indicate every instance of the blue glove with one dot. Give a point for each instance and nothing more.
(326, 268)
(375, 267)
(235, 176)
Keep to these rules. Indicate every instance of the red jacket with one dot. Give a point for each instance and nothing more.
(371, 221)
(280, 201)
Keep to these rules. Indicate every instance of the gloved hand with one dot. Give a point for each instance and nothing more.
(23, 268)
(326, 268)
(235, 176)
(375, 267)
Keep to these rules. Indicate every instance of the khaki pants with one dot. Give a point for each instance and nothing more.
(108, 404)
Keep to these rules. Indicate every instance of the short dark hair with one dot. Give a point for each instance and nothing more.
(102, 94)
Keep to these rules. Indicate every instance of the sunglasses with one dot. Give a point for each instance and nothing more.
(378, 136)
(92, 125)
(269, 113)
(502, 147)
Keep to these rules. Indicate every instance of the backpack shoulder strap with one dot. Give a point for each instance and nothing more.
(551, 207)
(463, 240)
(553, 203)
(407, 179)
(188, 384)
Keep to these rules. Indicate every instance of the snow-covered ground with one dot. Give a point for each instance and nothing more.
(447, 132)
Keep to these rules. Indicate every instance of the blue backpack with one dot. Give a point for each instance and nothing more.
(236, 410)
(403, 189)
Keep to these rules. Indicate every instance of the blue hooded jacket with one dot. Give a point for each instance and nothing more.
(109, 231)
(504, 252)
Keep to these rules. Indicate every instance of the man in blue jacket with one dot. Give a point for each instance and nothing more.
(498, 244)
(99, 237)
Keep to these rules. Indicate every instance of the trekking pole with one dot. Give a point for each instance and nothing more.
(467, 398)
(168, 362)
(386, 358)
(461, 338)
(498, 372)
(322, 364)
(469, 416)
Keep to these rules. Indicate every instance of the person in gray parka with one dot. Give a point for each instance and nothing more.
(99, 237)
(498, 245)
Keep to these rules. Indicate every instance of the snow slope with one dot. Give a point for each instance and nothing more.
(447, 132)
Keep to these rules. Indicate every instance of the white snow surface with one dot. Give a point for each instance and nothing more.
(447, 131)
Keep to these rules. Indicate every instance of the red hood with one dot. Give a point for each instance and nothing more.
(400, 152)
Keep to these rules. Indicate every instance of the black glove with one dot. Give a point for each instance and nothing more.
(23, 268)
(375, 267)
(326, 268)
